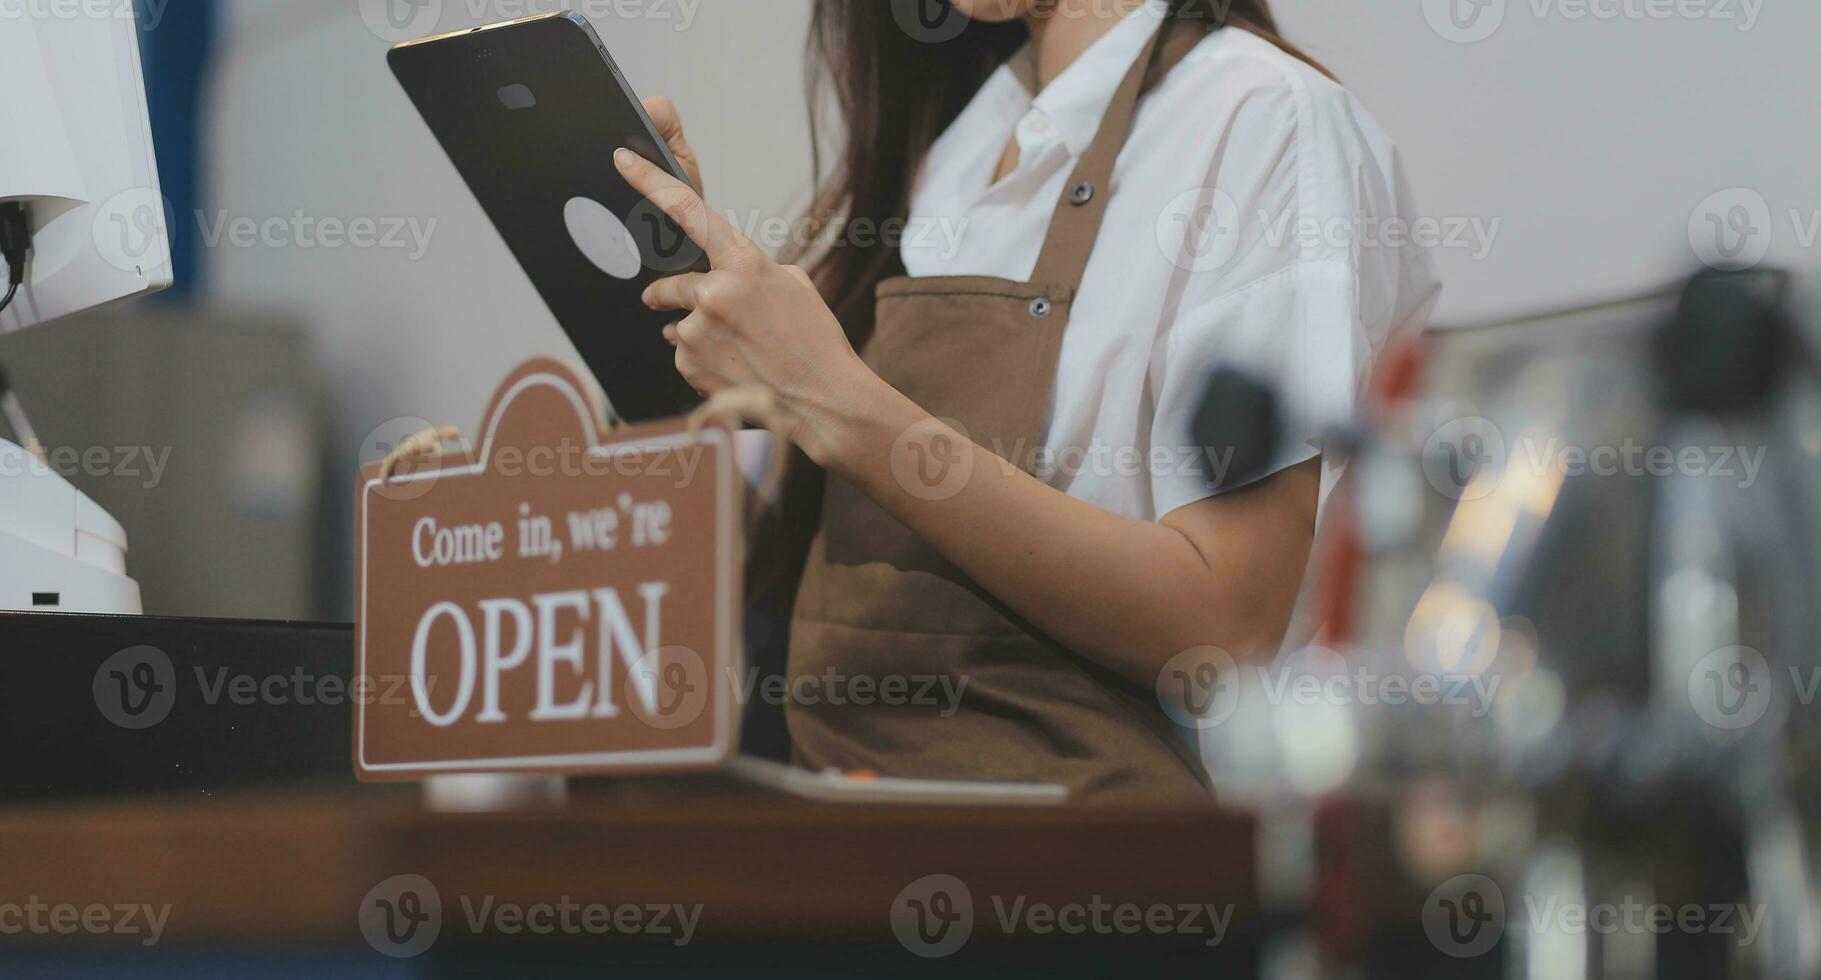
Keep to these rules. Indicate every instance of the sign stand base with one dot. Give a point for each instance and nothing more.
(494, 793)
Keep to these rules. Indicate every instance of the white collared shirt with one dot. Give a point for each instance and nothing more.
(1254, 223)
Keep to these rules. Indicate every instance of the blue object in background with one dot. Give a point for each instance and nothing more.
(175, 38)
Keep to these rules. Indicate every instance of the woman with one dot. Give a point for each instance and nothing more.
(1141, 192)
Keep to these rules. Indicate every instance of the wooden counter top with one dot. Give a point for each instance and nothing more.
(294, 868)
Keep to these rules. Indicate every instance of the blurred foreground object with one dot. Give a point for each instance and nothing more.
(1576, 626)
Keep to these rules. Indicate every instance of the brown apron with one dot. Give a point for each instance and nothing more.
(878, 603)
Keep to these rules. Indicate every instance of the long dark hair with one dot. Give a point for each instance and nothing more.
(896, 89)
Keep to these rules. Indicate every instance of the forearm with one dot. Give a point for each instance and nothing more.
(1127, 593)
(1131, 594)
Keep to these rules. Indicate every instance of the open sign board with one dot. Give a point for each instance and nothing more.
(553, 599)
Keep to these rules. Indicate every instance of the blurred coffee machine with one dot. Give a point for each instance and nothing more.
(1582, 552)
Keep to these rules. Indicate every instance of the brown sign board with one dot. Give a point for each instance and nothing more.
(553, 599)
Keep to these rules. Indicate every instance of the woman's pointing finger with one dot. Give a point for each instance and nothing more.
(721, 240)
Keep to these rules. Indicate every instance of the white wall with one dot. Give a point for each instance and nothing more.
(1591, 142)
(1594, 141)
(307, 116)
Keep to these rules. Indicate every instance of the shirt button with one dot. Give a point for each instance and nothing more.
(1036, 125)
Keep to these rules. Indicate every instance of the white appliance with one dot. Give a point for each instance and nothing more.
(59, 551)
(78, 156)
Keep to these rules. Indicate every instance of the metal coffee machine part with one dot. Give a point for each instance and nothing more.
(1572, 618)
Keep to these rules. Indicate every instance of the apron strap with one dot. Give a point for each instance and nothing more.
(1076, 223)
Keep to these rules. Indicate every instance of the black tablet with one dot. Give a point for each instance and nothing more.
(530, 112)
